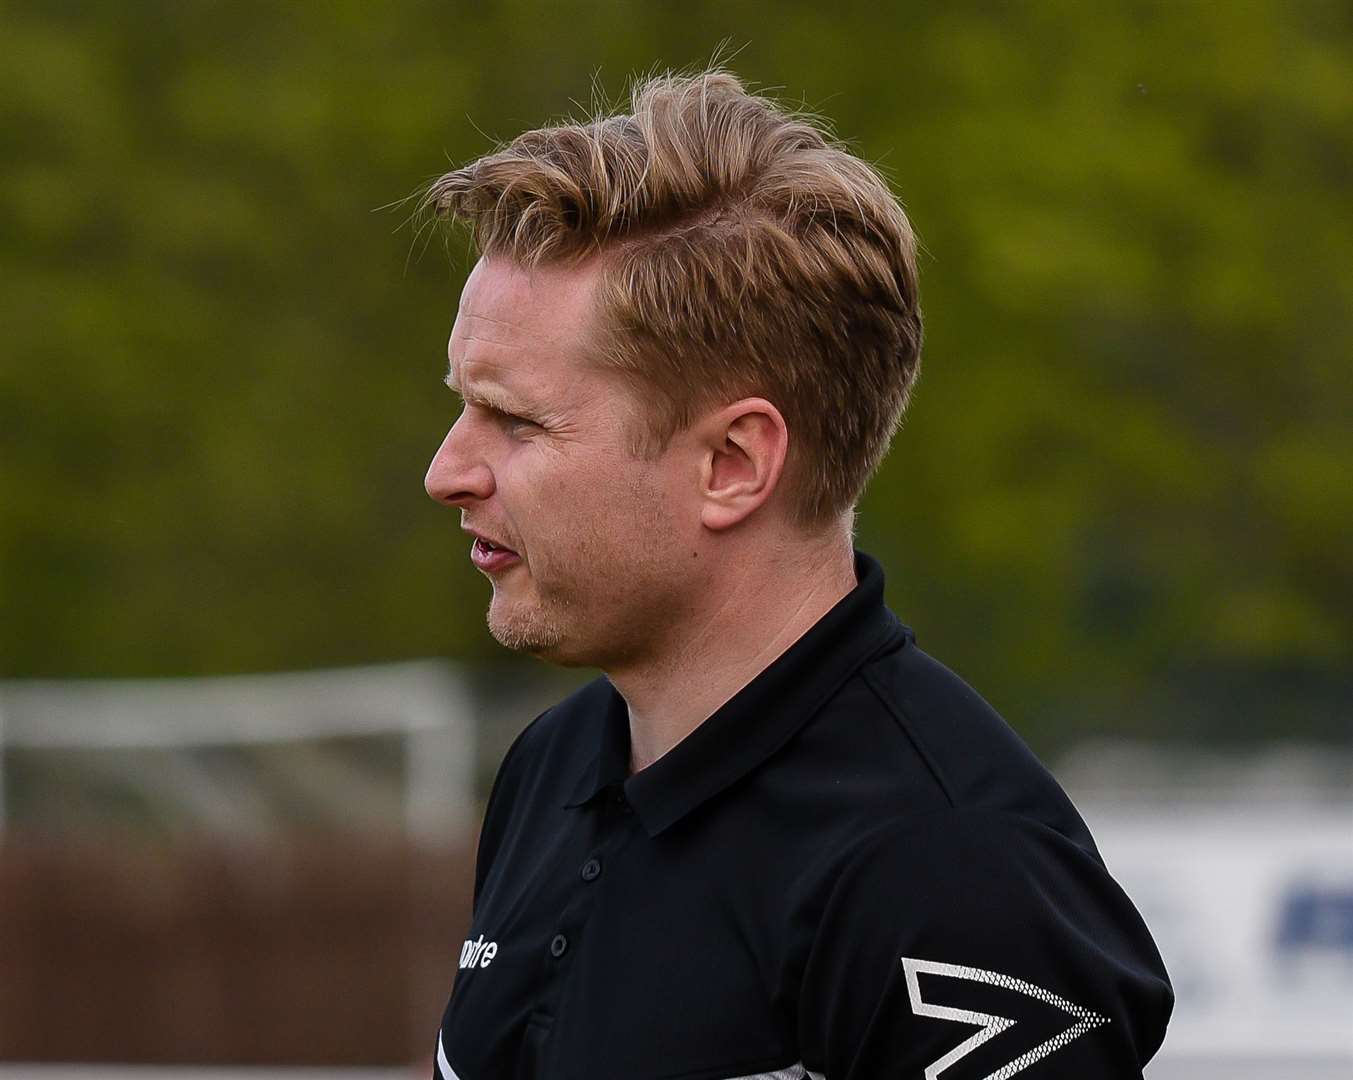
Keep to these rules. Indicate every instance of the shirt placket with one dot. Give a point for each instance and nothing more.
(611, 827)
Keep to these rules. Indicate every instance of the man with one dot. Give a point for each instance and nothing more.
(775, 839)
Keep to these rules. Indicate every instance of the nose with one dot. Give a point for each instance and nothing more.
(457, 475)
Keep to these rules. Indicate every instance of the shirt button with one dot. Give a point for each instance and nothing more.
(623, 803)
(558, 946)
(591, 870)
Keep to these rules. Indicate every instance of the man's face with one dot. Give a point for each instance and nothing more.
(599, 543)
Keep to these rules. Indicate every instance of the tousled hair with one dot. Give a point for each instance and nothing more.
(744, 252)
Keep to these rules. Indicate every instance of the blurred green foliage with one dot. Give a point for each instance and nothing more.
(1121, 501)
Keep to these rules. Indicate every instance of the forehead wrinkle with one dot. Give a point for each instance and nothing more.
(511, 325)
(462, 337)
(480, 328)
(486, 339)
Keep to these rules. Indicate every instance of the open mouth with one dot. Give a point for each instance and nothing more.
(489, 556)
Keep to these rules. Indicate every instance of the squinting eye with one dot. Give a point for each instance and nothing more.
(515, 423)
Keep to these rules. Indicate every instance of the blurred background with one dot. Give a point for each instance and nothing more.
(249, 711)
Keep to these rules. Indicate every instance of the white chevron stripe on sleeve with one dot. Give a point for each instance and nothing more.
(991, 1026)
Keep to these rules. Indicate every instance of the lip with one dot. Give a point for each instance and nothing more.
(491, 559)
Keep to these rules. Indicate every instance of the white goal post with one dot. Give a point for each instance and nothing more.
(425, 703)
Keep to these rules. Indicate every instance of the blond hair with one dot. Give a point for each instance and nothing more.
(745, 253)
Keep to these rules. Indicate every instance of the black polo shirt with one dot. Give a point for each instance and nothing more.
(853, 869)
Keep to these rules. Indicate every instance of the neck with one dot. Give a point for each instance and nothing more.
(760, 609)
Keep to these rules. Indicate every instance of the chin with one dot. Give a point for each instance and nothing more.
(528, 631)
(549, 642)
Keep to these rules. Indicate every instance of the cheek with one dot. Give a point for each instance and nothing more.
(564, 513)
(608, 503)
(651, 518)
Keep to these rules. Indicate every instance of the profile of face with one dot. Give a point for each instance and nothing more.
(592, 552)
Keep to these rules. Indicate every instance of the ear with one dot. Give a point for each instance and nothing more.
(744, 447)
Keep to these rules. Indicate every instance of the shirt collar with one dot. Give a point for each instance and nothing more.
(753, 724)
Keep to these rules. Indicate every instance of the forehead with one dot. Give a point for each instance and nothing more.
(520, 327)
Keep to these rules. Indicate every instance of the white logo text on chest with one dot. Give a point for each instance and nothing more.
(478, 953)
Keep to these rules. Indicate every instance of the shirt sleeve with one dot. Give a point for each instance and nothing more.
(973, 945)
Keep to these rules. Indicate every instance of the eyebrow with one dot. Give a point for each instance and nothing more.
(487, 397)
